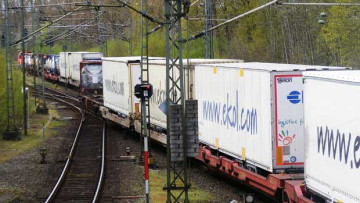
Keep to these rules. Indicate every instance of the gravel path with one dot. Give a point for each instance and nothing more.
(125, 179)
(25, 177)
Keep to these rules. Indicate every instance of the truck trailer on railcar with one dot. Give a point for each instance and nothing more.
(332, 129)
(70, 65)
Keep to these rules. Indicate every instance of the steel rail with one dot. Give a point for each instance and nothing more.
(60, 93)
(101, 177)
(62, 96)
(54, 95)
(66, 167)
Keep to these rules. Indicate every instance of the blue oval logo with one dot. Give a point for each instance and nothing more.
(293, 159)
(294, 97)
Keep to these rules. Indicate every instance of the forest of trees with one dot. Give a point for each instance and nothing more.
(279, 33)
(284, 34)
(287, 34)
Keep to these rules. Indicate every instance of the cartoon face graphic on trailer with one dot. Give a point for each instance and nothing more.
(285, 138)
(289, 119)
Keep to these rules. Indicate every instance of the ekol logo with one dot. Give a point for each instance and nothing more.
(294, 97)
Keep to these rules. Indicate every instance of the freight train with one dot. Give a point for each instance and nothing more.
(289, 131)
(81, 70)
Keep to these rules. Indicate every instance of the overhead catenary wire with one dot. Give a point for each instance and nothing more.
(194, 3)
(63, 33)
(202, 18)
(230, 21)
(100, 5)
(124, 4)
(145, 15)
(44, 27)
(67, 34)
(318, 4)
(108, 28)
(52, 38)
(44, 5)
(68, 31)
(39, 6)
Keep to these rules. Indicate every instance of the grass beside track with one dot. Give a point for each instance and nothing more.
(10, 193)
(10, 149)
(157, 194)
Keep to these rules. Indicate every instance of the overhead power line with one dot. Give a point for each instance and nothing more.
(145, 15)
(318, 4)
(70, 31)
(44, 27)
(194, 2)
(201, 34)
(44, 5)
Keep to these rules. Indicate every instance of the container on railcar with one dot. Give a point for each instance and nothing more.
(91, 76)
(157, 77)
(253, 112)
(70, 65)
(29, 63)
(332, 147)
(55, 65)
(51, 67)
(120, 75)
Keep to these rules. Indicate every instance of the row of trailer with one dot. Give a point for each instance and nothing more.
(50, 63)
(273, 120)
(289, 131)
(79, 69)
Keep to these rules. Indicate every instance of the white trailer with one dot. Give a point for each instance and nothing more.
(157, 77)
(332, 142)
(254, 112)
(120, 75)
(64, 67)
(70, 65)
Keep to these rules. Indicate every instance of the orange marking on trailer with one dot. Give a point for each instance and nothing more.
(243, 153)
(279, 155)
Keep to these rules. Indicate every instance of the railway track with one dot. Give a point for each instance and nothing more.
(82, 175)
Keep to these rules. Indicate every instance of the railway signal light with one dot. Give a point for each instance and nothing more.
(143, 91)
